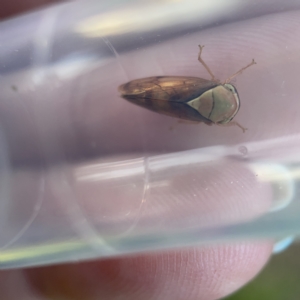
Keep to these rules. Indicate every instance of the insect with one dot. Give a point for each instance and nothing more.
(188, 98)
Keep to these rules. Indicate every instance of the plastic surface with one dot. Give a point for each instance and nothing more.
(86, 174)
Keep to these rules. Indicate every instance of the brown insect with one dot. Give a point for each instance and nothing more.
(187, 98)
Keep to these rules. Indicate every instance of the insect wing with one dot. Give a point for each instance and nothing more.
(167, 94)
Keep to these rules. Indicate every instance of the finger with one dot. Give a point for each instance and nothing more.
(10, 9)
(209, 273)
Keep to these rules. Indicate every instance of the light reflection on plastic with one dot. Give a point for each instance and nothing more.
(282, 182)
(150, 16)
(106, 171)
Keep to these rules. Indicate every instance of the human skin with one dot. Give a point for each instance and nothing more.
(191, 273)
(11, 9)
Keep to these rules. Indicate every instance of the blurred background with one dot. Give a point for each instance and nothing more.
(278, 280)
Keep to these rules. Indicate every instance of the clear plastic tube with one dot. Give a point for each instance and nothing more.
(85, 174)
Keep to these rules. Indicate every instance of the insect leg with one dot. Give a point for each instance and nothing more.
(204, 64)
(233, 123)
(190, 122)
(239, 72)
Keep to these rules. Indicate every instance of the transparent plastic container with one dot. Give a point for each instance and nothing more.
(86, 174)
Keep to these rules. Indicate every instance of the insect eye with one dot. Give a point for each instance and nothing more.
(230, 88)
